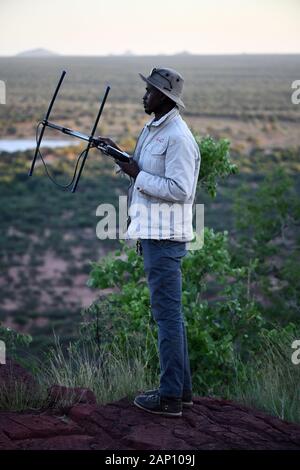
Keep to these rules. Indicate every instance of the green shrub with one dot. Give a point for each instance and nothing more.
(14, 341)
(215, 163)
(215, 331)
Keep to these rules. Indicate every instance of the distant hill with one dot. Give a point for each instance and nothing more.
(37, 53)
(183, 53)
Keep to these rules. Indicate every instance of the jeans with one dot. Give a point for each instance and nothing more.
(162, 263)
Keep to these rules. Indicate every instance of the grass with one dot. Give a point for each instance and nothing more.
(110, 373)
(18, 397)
(271, 382)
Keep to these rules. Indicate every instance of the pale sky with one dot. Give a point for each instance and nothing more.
(98, 27)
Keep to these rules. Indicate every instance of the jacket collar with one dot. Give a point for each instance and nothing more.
(166, 117)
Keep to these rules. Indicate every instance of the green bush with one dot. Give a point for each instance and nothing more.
(215, 163)
(14, 341)
(215, 332)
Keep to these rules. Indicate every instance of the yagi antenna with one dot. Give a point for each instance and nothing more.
(92, 141)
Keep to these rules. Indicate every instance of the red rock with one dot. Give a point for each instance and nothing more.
(6, 443)
(80, 413)
(211, 424)
(73, 442)
(151, 437)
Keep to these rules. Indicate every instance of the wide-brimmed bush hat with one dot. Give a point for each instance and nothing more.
(168, 81)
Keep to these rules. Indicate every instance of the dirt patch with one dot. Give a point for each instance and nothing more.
(52, 266)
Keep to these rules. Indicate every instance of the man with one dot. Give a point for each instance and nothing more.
(164, 172)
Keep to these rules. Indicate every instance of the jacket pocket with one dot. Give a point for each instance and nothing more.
(159, 148)
(157, 155)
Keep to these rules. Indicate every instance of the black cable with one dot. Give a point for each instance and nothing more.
(45, 165)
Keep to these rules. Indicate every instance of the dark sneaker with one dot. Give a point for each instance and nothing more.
(154, 403)
(187, 397)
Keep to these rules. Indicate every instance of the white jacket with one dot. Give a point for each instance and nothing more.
(161, 199)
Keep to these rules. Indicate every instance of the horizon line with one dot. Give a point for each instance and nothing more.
(182, 54)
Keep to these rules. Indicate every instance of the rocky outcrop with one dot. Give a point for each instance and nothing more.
(210, 424)
(73, 420)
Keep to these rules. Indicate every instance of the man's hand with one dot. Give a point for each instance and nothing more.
(107, 141)
(131, 168)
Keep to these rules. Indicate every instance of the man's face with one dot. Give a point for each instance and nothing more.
(152, 99)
